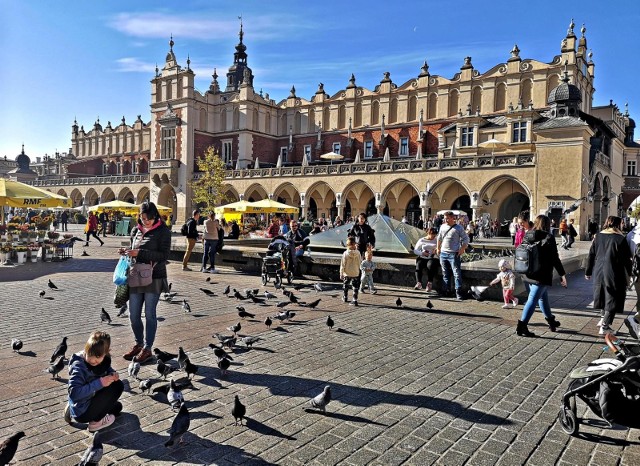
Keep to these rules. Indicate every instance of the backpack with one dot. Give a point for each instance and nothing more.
(527, 258)
(635, 263)
(184, 231)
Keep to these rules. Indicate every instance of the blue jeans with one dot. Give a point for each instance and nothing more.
(143, 335)
(210, 246)
(450, 262)
(537, 294)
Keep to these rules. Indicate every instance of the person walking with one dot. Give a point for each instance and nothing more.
(564, 233)
(633, 240)
(609, 263)
(507, 279)
(91, 228)
(571, 234)
(426, 259)
(104, 221)
(546, 258)
(451, 244)
(150, 244)
(192, 236)
(513, 229)
(367, 267)
(524, 225)
(64, 220)
(350, 271)
(363, 234)
(210, 243)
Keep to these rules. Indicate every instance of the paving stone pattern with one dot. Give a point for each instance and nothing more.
(451, 386)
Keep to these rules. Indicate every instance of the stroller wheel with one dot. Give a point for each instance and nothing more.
(264, 279)
(568, 421)
(277, 281)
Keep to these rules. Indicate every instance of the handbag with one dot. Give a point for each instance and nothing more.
(140, 274)
(122, 295)
(120, 273)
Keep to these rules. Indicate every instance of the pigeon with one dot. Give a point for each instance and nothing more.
(174, 396)
(221, 338)
(238, 295)
(163, 355)
(268, 295)
(54, 369)
(9, 446)
(208, 280)
(61, 350)
(318, 287)
(168, 297)
(268, 322)
(207, 292)
(322, 400)
(293, 298)
(51, 285)
(398, 302)
(227, 290)
(429, 304)
(190, 368)
(180, 384)
(185, 306)
(314, 304)
(42, 293)
(286, 292)
(235, 328)
(219, 352)
(251, 292)
(256, 300)
(134, 369)
(123, 310)
(145, 385)
(164, 369)
(242, 313)
(16, 344)
(223, 364)
(84, 254)
(281, 316)
(249, 341)
(182, 357)
(283, 303)
(277, 285)
(93, 453)
(330, 322)
(105, 317)
(170, 286)
(238, 411)
(229, 342)
(179, 426)
(298, 287)
(290, 315)
(476, 292)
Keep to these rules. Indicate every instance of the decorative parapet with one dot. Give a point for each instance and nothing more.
(92, 180)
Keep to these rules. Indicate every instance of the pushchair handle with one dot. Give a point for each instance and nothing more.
(615, 345)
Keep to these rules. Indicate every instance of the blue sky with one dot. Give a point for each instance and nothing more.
(84, 60)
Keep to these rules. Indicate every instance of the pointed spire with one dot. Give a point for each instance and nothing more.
(241, 33)
(292, 92)
(171, 43)
(570, 30)
(157, 71)
(515, 53)
(352, 82)
(626, 109)
(188, 62)
(424, 70)
(583, 29)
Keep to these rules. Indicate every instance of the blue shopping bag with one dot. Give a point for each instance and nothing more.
(121, 271)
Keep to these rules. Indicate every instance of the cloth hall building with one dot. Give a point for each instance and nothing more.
(522, 135)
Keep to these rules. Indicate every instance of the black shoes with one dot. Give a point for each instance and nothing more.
(553, 323)
(523, 331)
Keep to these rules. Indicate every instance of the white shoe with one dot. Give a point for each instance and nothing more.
(515, 302)
(507, 306)
(606, 329)
(600, 322)
(212, 270)
(102, 423)
(632, 326)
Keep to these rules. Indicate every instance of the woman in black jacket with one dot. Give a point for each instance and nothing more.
(150, 244)
(363, 234)
(546, 257)
(610, 265)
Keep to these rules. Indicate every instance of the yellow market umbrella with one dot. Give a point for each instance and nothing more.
(269, 206)
(233, 207)
(113, 205)
(16, 194)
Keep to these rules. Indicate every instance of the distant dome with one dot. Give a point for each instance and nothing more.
(632, 124)
(23, 160)
(565, 92)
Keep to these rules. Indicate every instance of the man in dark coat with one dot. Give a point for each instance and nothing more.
(363, 234)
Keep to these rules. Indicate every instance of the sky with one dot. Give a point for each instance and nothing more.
(84, 60)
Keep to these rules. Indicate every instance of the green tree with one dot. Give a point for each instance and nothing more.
(207, 190)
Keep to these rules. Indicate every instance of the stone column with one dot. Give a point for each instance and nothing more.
(379, 206)
(303, 206)
(339, 204)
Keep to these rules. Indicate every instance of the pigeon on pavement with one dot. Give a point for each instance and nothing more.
(182, 357)
(179, 426)
(145, 385)
(190, 368)
(235, 328)
(268, 322)
(134, 369)
(174, 396)
(314, 304)
(54, 369)
(322, 400)
(318, 287)
(242, 313)
(238, 411)
(227, 290)
(105, 317)
(51, 285)
(249, 341)
(123, 310)
(93, 453)
(283, 303)
(223, 364)
(429, 304)
(219, 352)
(207, 292)
(208, 280)
(185, 306)
(398, 302)
(269, 295)
(61, 350)
(42, 293)
(163, 355)
(238, 295)
(256, 300)
(9, 446)
(164, 369)
(330, 322)
(16, 344)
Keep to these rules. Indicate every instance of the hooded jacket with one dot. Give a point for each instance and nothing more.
(84, 382)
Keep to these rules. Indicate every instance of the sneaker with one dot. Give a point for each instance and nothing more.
(67, 414)
(507, 306)
(102, 423)
(459, 297)
(429, 287)
(375, 290)
(212, 270)
(362, 290)
(515, 302)
(418, 286)
(186, 269)
(133, 352)
(600, 322)
(353, 303)
(203, 270)
(632, 326)
(606, 329)
(344, 299)
(143, 356)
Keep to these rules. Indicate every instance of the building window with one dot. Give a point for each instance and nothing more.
(134, 166)
(283, 154)
(404, 146)
(307, 152)
(631, 168)
(519, 131)
(105, 169)
(368, 149)
(227, 154)
(168, 143)
(466, 137)
(336, 147)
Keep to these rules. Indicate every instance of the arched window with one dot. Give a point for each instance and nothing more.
(432, 109)
(393, 111)
(342, 116)
(476, 99)
(453, 103)
(326, 119)
(375, 112)
(501, 97)
(525, 92)
(168, 87)
(311, 122)
(412, 109)
(203, 119)
(358, 115)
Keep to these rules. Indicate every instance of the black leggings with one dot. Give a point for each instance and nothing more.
(93, 233)
(104, 402)
(432, 265)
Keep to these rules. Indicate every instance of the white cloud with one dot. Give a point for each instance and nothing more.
(133, 65)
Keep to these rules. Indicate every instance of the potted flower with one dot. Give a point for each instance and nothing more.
(53, 234)
(33, 251)
(3, 232)
(21, 253)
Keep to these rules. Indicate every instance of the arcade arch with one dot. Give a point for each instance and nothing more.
(255, 192)
(358, 197)
(397, 197)
(322, 198)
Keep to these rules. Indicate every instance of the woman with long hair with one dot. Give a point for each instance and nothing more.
(546, 257)
(609, 263)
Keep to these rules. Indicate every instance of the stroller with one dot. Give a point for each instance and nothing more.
(277, 263)
(609, 387)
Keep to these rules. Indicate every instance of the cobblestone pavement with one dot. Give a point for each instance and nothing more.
(450, 386)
